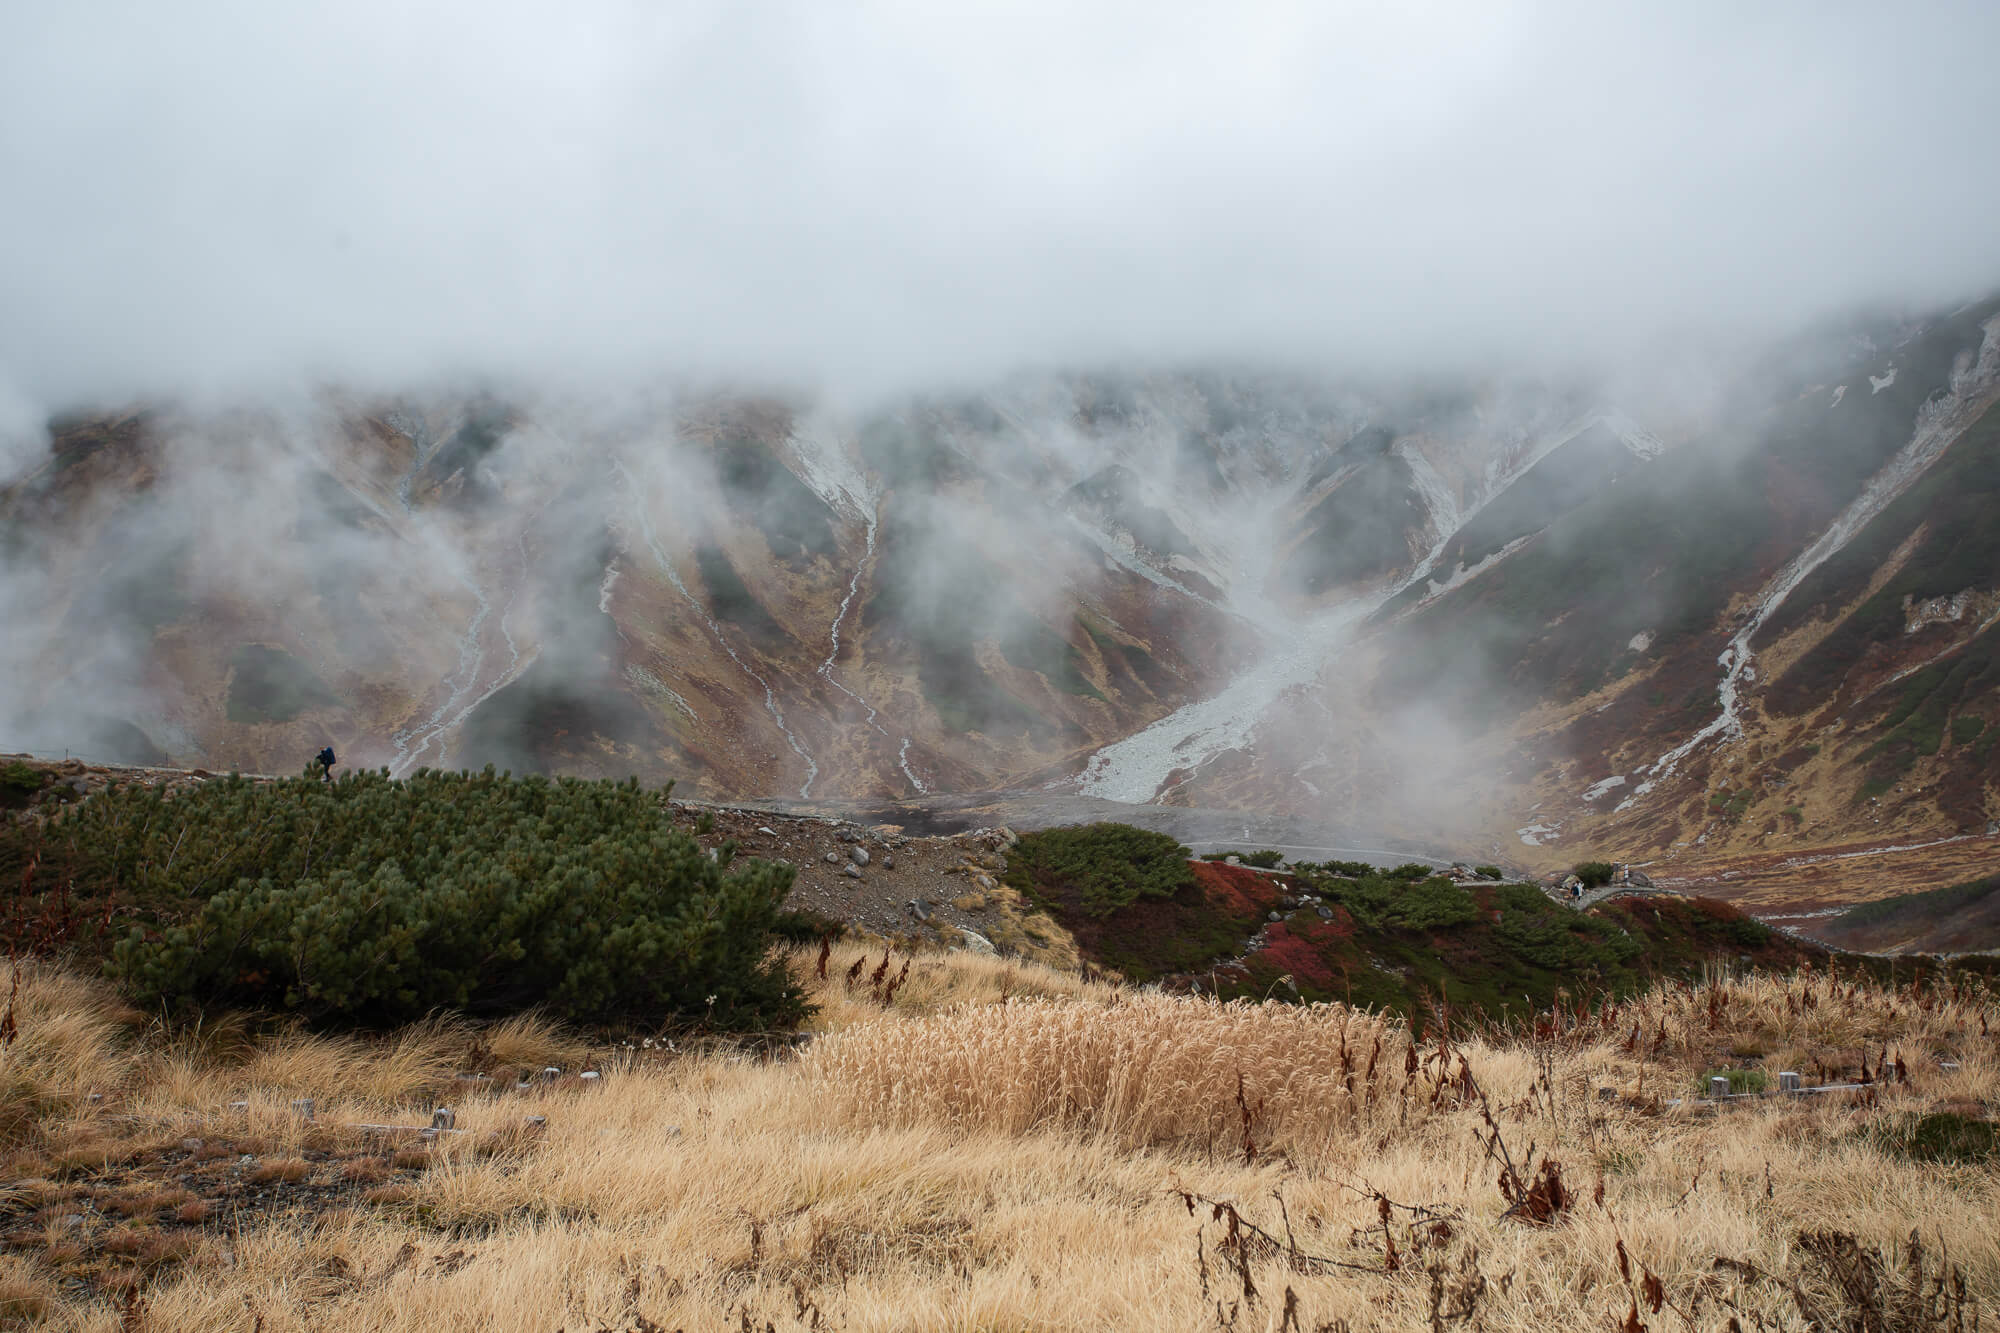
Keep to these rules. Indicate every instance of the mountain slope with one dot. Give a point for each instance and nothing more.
(1506, 616)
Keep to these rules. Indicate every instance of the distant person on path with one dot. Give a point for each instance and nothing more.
(326, 761)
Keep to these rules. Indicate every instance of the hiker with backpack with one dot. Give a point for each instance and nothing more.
(325, 759)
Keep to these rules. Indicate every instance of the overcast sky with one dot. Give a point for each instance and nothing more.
(199, 195)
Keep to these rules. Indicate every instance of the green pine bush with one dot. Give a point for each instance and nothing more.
(375, 900)
(1106, 866)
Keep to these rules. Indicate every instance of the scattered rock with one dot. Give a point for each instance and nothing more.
(1275, 916)
(977, 942)
(888, 861)
(766, 831)
(831, 858)
(851, 871)
(1326, 914)
(916, 909)
(858, 854)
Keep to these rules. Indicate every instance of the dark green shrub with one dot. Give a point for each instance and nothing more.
(374, 900)
(18, 778)
(1410, 870)
(1380, 902)
(1965, 729)
(1106, 865)
(1346, 869)
(1266, 859)
(1521, 898)
(1489, 872)
(1593, 873)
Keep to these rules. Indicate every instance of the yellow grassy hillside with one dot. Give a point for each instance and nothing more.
(1003, 1147)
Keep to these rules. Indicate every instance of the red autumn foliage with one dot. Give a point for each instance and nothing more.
(1238, 890)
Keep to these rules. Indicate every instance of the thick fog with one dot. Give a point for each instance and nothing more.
(862, 197)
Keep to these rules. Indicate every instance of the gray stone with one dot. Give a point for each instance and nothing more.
(977, 942)
(1276, 916)
(917, 910)
(888, 861)
(831, 858)
(1326, 914)
(858, 854)
(192, 1145)
(767, 832)
(851, 871)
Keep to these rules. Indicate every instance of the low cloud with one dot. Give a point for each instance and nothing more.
(870, 198)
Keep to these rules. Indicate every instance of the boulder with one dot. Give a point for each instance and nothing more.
(851, 871)
(831, 858)
(977, 942)
(858, 854)
(888, 861)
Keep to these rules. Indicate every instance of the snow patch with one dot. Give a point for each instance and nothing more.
(1533, 834)
(1838, 394)
(1641, 641)
(1643, 443)
(1598, 789)
(826, 467)
(1878, 383)
(1462, 573)
(604, 588)
(652, 684)
(903, 762)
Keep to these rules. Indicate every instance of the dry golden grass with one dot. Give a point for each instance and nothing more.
(1002, 1147)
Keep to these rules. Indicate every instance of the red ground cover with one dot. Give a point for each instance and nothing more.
(1238, 889)
(1288, 953)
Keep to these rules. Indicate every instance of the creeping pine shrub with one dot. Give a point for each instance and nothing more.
(1107, 865)
(1380, 902)
(19, 778)
(1345, 869)
(1593, 873)
(376, 900)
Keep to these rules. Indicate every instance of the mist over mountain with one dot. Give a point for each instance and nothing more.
(1514, 431)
